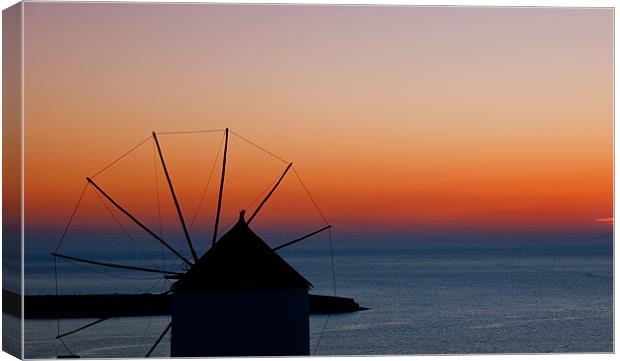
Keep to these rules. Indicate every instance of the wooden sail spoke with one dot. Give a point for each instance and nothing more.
(219, 199)
(114, 265)
(148, 354)
(270, 193)
(301, 238)
(174, 198)
(90, 324)
(136, 221)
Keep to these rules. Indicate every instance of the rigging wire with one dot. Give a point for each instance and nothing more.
(192, 131)
(331, 252)
(215, 162)
(125, 230)
(148, 326)
(310, 195)
(195, 215)
(106, 318)
(58, 313)
(108, 274)
(154, 285)
(65, 345)
(204, 192)
(77, 205)
(141, 343)
(263, 192)
(234, 220)
(62, 237)
(318, 342)
(259, 147)
(161, 336)
(122, 156)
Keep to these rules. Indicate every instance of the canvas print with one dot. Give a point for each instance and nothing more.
(197, 180)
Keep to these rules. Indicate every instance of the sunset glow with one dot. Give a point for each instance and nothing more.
(398, 118)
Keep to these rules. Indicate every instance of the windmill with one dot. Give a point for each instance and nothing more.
(239, 271)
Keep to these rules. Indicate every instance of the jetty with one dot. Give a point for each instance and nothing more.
(136, 305)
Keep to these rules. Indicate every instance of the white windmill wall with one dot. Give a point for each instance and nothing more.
(261, 323)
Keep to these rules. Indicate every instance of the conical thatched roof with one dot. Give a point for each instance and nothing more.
(240, 261)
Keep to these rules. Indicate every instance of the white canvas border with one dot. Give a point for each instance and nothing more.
(510, 3)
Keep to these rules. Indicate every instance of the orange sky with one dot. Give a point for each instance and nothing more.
(398, 118)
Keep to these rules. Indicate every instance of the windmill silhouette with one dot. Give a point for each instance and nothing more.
(239, 267)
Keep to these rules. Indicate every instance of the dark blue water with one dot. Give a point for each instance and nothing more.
(423, 299)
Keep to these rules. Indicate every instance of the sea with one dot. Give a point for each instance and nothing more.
(439, 298)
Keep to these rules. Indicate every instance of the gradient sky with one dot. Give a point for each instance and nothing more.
(408, 119)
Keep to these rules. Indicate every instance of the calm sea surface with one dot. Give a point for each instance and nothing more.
(422, 300)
